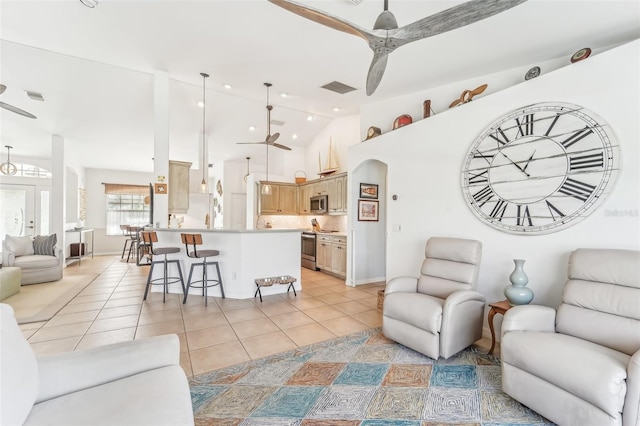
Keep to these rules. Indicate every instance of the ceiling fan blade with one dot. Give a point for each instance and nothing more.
(2, 88)
(16, 110)
(271, 139)
(376, 70)
(277, 145)
(453, 18)
(325, 18)
(251, 143)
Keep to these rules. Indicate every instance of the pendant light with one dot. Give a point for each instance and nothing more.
(266, 188)
(247, 175)
(8, 168)
(203, 185)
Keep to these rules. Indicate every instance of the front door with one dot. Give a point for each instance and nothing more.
(17, 210)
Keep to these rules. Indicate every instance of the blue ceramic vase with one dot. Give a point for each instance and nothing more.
(518, 293)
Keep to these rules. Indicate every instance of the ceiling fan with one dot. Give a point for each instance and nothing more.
(386, 36)
(270, 139)
(13, 108)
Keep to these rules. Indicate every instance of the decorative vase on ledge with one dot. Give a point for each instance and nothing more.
(518, 293)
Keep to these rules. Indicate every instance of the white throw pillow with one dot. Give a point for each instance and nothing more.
(20, 246)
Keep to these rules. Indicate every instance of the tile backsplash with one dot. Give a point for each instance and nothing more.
(329, 223)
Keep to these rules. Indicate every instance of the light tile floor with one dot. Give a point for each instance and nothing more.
(226, 332)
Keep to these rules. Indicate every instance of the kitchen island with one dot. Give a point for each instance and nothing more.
(245, 255)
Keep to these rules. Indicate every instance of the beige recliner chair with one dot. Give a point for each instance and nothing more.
(438, 313)
(580, 365)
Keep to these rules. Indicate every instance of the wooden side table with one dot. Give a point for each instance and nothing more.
(496, 308)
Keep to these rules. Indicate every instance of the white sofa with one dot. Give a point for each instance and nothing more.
(580, 365)
(131, 383)
(36, 268)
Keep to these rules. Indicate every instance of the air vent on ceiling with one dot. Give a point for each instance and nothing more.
(277, 122)
(355, 1)
(336, 86)
(35, 96)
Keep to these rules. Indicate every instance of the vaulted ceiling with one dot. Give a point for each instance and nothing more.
(95, 67)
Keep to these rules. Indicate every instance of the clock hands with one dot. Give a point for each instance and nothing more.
(515, 164)
(528, 161)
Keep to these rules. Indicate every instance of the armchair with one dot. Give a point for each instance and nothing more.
(129, 383)
(438, 313)
(580, 364)
(37, 266)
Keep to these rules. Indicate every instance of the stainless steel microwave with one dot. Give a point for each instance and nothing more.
(319, 204)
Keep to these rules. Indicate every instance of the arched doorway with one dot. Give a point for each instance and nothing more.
(367, 238)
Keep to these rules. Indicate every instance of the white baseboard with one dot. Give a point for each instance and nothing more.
(370, 280)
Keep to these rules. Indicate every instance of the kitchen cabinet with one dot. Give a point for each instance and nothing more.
(304, 195)
(331, 254)
(339, 256)
(319, 187)
(178, 187)
(291, 199)
(337, 188)
(282, 201)
(323, 252)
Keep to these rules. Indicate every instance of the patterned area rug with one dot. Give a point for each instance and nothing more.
(361, 379)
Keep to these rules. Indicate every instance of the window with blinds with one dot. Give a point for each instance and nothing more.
(126, 205)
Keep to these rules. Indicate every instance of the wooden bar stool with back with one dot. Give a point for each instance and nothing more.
(148, 238)
(195, 240)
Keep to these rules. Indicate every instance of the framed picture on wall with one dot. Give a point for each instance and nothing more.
(160, 188)
(369, 190)
(368, 210)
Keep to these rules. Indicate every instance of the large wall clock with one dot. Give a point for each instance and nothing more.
(540, 168)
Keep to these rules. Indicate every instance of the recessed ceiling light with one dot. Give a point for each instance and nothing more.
(90, 3)
(284, 95)
(294, 136)
(309, 117)
(252, 128)
(336, 109)
(227, 86)
(201, 104)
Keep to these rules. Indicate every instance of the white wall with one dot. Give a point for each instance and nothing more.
(97, 204)
(342, 132)
(425, 159)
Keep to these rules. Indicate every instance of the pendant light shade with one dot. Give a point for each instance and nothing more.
(204, 188)
(8, 168)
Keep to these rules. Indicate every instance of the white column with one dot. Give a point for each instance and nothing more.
(161, 145)
(58, 191)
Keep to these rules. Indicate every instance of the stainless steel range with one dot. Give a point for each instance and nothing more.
(309, 250)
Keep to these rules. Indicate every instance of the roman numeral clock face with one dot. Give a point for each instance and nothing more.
(540, 168)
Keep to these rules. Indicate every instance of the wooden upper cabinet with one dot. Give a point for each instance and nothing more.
(304, 196)
(283, 199)
(288, 199)
(178, 187)
(337, 190)
(292, 199)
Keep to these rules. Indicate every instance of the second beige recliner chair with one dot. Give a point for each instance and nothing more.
(438, 313)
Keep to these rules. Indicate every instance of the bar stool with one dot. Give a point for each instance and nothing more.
(134, 236)
(195, 240)
(128, 240)
(148, 238)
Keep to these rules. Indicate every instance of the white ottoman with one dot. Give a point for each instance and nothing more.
(10, 278)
